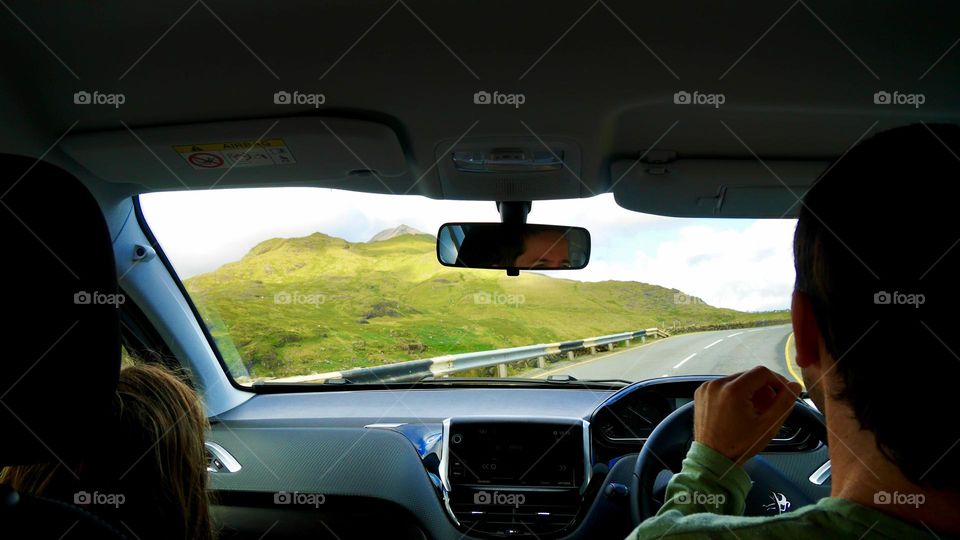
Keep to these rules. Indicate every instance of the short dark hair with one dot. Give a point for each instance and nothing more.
(876, 252)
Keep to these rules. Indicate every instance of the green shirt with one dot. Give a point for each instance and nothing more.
(707, 498)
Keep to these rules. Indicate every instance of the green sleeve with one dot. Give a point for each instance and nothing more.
(707, 483)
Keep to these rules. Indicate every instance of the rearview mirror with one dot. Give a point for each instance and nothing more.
(514, 246)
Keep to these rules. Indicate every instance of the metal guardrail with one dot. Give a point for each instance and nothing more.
(452, 363)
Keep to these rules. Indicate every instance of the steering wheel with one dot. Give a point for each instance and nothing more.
(667, 445)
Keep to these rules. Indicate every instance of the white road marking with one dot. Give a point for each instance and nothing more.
(732, 335)
(684, 360)
(712, 344)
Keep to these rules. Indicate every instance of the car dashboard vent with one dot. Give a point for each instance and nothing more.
(542, 515)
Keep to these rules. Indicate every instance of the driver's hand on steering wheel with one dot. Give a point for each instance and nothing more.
(738, 415)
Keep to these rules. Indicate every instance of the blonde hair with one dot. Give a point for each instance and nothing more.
(154, 457)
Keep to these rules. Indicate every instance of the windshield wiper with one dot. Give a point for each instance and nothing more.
(325, 382)
(572, 379)
(567, 380)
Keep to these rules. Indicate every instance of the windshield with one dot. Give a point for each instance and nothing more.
(308, 285)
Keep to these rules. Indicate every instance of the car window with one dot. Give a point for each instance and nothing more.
(308, 284)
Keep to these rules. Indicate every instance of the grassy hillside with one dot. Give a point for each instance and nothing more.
(296, 306)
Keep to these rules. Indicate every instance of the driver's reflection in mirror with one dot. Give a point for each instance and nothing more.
(544, 249)
(534, 247)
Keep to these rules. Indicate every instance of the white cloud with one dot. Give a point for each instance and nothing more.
(747, 269)
(740, 264)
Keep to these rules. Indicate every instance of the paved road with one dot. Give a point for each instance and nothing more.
(704, 353)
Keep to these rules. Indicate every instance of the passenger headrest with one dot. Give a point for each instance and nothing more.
(60, 328)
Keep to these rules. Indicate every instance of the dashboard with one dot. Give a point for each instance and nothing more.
(453, 463)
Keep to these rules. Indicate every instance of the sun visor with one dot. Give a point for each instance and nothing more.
(328, 152)
(714, 188)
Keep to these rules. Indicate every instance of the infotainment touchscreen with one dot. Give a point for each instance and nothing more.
(516, 454)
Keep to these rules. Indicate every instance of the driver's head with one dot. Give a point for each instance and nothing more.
(876, 303)
(548, 248)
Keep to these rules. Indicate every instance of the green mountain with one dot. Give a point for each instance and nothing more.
(294, 306)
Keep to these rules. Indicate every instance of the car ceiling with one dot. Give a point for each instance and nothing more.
(399, 76)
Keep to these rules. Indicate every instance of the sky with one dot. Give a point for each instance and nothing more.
(733, 263)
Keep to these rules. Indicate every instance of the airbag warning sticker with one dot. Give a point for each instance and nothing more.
(236, 154)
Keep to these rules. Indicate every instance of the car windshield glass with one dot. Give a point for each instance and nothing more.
(309, 285)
